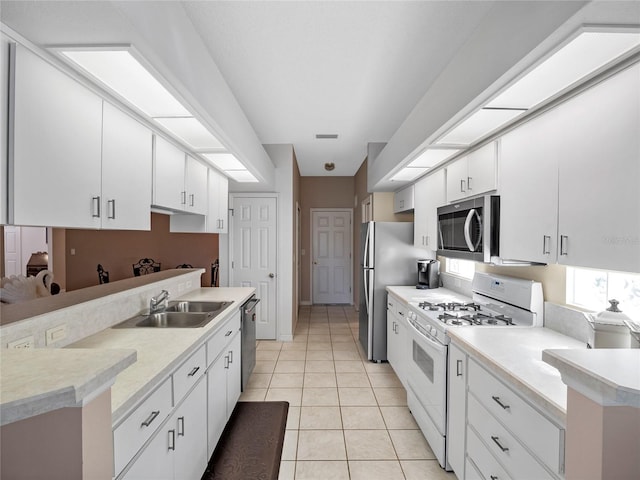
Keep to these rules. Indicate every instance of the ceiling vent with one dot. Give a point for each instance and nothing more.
(321, 136)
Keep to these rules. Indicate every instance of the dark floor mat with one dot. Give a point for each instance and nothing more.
(251, 445)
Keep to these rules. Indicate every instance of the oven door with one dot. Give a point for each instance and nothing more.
(427, 375)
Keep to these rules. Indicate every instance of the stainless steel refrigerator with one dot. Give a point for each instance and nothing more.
(388, 258)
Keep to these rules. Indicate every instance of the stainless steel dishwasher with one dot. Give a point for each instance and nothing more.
(248, 327)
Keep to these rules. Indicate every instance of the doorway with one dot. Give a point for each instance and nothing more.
(19, 244)
(331, 254)
(252, 249)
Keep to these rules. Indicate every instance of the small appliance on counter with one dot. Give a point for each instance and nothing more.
(428, 274)
(608, 328)
(634, 331)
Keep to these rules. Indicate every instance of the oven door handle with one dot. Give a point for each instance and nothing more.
(467, 230)
(432, 343)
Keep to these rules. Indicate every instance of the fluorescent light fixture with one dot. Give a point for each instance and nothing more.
(478, 125)
(431, 157)
(122, 73)
(407, 174)
(190, 131)
(242, 176)
(582, 56)
(224, 161)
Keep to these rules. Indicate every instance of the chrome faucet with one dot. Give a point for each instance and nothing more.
(158, 303)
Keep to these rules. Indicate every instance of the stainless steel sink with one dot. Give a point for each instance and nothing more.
(177, 315)
(186, 306)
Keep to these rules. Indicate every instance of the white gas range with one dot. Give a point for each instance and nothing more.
(496, 301)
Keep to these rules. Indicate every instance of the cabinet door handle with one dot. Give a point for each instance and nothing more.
(493, 477)
(226, 361)
(230, 356)
(401, 203)
(222, 224)
(546, 245)
(563, 244)
(151, 418)
(462, 190)
(469, 183)
(183, 197)
(427, 242)
(228, 333)
(172, 439)
(458, 368)
(192, 199)
(96, 207)
(112, 204)
(500, 446)
(193, 372)
(181, 426)
(497, 400)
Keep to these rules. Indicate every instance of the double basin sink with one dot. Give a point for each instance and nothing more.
(178, 314)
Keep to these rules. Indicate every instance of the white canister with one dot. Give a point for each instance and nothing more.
(608, 328)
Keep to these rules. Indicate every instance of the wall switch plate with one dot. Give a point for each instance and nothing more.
(56, 334)
(25, 342)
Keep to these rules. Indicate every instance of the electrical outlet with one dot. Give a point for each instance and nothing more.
(25, 342)
(56, 334)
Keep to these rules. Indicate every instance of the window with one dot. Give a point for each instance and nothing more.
(462, 268)
(591, 289)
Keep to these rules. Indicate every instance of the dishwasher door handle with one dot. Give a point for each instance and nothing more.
(251, 305)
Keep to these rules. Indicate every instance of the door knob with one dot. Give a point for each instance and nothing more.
(271, 275)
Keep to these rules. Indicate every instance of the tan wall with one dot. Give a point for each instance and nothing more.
(360, 185)
(319, 192)
(118, 250)
(296, 264)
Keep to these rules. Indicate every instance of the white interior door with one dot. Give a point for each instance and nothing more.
(253, 256)
(331, 256)
(12, 251)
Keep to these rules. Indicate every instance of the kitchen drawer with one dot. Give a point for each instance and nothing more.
(216, 344)
(502, 444)
(392, 302)
(539, 434)
(481, 460)
(187, 375)
(138, 427)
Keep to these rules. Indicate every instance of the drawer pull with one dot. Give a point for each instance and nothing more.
(458, 368)
(193, 372)
(172, 439)
(497, 400)
(228, 333)
(493, 477)
(181, 426)
(495, 440)
(151, 418)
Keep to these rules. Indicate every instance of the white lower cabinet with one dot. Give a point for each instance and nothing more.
(397, 342)
(179, 449)
(224, 385)
(456, 410)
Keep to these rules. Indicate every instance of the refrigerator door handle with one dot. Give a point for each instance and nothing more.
(365, 250)
(365, 279)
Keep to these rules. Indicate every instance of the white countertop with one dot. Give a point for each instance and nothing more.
(514, 354)
(38, 381)
(608, 376)
(413, 294)
(45, 379)
(159, 350)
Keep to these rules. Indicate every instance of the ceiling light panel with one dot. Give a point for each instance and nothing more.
(242, 176)
(191, 131)
(120, 72)
(224, 161)
(431, 157)
(408, 174)
(585, 54)
(478, 125)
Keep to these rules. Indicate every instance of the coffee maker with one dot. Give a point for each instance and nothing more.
(428, 274)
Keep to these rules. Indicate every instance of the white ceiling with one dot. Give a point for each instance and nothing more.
(294, 69)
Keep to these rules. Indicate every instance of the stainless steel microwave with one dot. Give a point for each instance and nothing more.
(470, 229)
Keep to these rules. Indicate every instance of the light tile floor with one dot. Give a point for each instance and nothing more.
(348, 417)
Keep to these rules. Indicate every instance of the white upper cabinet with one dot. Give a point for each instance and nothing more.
(569, 181)
(168, 175)
(126, 172)
(56, 147)
(218, 214)
(429, 194)
(473, 174)
(196, 186)
(403, 200)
